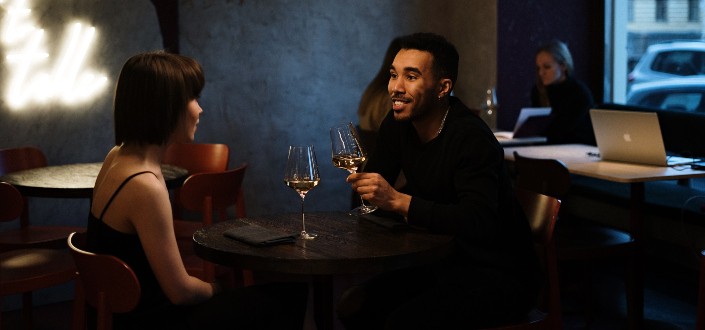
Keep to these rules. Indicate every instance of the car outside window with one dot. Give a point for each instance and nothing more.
(682, 63)
(673, 100)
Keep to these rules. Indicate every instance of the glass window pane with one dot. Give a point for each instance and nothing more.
(674, 27)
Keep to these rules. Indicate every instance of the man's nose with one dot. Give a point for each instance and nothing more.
(396, 86)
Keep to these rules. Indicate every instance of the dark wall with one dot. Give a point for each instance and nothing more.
(278, 73)
(168, 15)
(522, 26)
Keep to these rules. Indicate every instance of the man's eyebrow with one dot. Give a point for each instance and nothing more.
(408, 68)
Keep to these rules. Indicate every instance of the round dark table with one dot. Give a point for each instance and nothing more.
(345, 245)
(73, 180)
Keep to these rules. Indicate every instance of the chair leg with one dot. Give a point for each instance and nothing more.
(208, 272)
(79, 308)
(248, 278)
(700, 311)
(27, 306)
(631, 291)
(590, 296)
(105, 317)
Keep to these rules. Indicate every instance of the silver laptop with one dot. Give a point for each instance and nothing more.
(631, 137)
(524, 115)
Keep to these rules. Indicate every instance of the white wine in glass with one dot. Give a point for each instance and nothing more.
(301, 174)
(348, 154)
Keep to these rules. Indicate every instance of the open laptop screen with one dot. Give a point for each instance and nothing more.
(531, 122)
(632, 137)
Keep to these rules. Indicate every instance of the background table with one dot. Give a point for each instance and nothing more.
(525, 141)
(345, 245)
(583, 160)
(73, 180)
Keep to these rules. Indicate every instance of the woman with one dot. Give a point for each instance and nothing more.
(570, 100)
(156, 103)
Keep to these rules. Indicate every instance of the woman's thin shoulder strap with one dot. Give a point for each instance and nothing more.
(118, 190)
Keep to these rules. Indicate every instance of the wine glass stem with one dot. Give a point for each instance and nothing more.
(303, 223)
(361, 199)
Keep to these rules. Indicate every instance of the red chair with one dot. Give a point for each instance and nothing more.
(542, 212)
(23, 271)
(575, 240)
(22, 158)
(198, 158)
(207, 194)
(27, 235)
(105, 282)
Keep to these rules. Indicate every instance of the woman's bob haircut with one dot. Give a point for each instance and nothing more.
(152, 94)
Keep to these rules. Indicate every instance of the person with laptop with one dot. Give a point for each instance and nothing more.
(457, 184)
(569, 99)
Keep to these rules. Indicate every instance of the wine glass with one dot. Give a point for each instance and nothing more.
(301, 174)
(349, 155)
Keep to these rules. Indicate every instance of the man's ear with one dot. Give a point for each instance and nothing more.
(445, 86)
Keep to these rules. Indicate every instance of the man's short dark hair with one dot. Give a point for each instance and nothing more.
(445, 56)
(152, 95)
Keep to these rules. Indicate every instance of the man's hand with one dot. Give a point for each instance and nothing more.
(374, 188)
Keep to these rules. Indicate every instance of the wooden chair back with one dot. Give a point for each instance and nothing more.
(542, 211)
(21, 158)
(12, 202)
(198, 157)
(107, 283)
(576, 238)
(546, 176)
(13, 206)
(18, 159)
(24, 270)
(207, 193)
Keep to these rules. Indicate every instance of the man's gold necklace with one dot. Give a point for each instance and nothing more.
(443, 122)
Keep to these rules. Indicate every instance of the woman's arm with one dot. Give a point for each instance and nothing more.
(151, 216)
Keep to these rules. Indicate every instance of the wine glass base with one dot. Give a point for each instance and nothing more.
(363, 209)
(305, 235)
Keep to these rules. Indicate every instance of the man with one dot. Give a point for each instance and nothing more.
(456, 183)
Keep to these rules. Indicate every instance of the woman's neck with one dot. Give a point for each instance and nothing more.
(147, 153)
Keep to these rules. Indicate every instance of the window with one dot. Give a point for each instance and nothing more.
(630, 11)
(693, 10)
(633, 26)
(661, 10)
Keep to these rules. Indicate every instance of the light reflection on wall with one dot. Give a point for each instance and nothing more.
(35, 76)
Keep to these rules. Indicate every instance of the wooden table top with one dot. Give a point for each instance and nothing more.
(583, 160)
(73, 180)
(345, 245)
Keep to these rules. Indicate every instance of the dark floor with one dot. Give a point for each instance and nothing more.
(669, 298)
